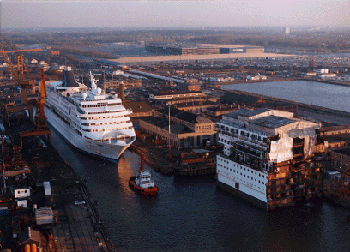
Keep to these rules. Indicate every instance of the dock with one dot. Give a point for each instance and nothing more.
(77, 232)
(77, 223)
(154, 157)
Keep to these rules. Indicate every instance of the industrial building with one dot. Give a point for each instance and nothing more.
(158, 98)
(340, 159)
(202, 49)
(187, 130)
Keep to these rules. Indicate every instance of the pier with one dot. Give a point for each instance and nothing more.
(77, 225)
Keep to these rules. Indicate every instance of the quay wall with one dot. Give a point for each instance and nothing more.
(65, 168)
(306, 111)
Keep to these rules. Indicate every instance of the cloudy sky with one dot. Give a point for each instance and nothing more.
(164, 13)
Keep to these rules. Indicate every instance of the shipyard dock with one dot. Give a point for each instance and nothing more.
(62, 216)
(77, 226)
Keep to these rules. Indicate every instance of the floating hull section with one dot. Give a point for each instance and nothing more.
(249, 198)
(197, 171)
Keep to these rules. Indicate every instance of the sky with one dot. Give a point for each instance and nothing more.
(164, 13)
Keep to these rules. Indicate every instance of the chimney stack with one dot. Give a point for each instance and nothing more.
(121, 92)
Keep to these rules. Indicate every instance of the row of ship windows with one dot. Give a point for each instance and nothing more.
(100, 112)
(223, 140)
(98, 124)
(242, 133)
(225, 161)
(240, 173)
(100, 105)
(100, 118)
(247, 182)
(100, 130)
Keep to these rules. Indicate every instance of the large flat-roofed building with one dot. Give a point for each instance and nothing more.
(176, 59)
(179, 97)
(202, 49)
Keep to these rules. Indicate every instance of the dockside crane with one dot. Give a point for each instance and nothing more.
(21, 80)
(41, 128)
(22, 76)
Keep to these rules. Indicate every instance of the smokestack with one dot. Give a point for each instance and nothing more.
(121, 92)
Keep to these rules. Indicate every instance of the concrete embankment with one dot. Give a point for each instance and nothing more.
(307, 111)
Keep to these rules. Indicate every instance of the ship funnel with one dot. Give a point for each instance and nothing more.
(121, 92)
(93, 85)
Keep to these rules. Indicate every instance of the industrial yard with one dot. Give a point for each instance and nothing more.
(177, 103)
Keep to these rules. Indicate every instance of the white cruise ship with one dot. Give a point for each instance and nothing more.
(267, 158)
(88, 119)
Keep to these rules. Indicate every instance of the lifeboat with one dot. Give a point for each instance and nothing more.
(143, 183)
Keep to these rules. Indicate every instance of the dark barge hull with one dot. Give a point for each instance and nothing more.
(189, 172)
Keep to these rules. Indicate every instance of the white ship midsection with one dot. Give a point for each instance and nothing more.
(242, 178)
(104, 149)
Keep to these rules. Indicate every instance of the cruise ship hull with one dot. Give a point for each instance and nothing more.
(96, 148)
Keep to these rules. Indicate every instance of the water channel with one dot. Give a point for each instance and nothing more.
(194, 215)
(308, 92)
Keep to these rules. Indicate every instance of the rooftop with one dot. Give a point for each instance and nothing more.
(182, 115)
(272, 122)
(137, 107)
(246, 112)
(175, 128)
(186, 58)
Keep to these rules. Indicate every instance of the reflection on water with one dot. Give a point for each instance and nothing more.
(308, 92)
(192, 214)
(125, 170)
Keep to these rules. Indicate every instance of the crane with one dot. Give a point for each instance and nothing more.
(20, 73)
(24, 84)
(40, 107)
(40, 119)
(23, 79)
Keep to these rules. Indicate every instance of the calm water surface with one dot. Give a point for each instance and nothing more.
(308, 92)
(194, 215)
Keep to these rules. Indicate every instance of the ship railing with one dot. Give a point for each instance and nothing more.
(251, 161)
(247, 152)
(241, 137)
(80, 110)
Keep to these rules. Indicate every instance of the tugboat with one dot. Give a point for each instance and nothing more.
(143, 182)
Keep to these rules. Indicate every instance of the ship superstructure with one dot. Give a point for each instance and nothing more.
(90, 120)
(267, 157)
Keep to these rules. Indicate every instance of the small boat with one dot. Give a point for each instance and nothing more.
(143, 182)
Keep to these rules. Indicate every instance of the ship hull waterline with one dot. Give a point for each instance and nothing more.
(145, 191)
(99, 149)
